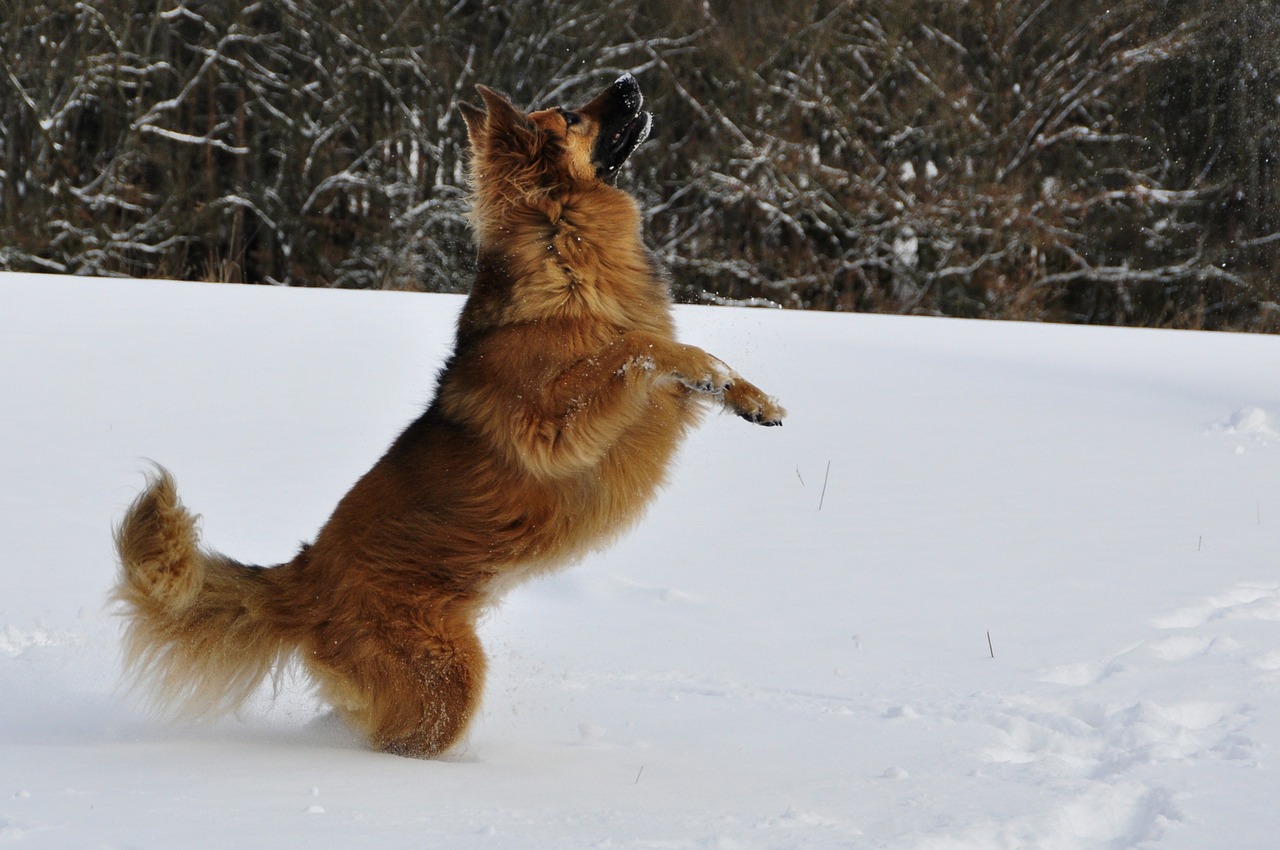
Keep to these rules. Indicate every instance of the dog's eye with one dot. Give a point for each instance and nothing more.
(570, 118)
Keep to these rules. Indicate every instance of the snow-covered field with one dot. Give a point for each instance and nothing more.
(794, 649)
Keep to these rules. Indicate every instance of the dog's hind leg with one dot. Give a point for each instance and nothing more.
(412, 691)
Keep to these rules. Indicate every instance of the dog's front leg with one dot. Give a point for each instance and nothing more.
(704, 373)
(635, 364)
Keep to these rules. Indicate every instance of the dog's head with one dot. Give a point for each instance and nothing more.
(553, 150)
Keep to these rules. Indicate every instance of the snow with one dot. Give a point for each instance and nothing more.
(906, 248)
(793, 650)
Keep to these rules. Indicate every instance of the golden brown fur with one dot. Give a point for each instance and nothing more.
(552, 425)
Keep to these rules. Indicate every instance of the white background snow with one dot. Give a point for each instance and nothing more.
(791, 651)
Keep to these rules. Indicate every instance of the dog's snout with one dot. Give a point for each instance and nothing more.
(629, 92)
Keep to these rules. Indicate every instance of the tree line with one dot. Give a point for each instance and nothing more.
(1106, 161)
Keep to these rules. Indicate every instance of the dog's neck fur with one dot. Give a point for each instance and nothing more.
(564, 256)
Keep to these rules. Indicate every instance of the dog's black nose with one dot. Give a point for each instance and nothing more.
(629, 91)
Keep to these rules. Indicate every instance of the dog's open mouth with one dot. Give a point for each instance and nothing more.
(624, 125)
(630, 137)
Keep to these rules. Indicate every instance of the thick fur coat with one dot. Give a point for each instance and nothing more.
(552, 424)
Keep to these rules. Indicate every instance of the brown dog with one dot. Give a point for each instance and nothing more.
(552, 425)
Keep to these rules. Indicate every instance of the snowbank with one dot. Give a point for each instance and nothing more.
(795, 648)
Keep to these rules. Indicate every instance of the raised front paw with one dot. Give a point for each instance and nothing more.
(703, 373)
(752, 404)
(711, 377)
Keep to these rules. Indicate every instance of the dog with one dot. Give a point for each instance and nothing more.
(553, 423)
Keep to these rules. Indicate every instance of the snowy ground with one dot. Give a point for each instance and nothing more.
(793, 650)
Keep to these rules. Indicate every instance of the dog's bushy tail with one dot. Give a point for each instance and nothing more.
(203, 630)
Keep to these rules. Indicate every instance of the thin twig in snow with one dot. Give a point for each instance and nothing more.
(822, 498)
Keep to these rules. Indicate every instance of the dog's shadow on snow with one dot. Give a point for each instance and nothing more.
(47, 710)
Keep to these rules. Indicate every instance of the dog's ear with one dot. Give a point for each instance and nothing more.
(501, 112)
(475, 117)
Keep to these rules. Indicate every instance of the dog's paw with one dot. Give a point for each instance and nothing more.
(749, 402)
(715, 379)
(761, 417)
